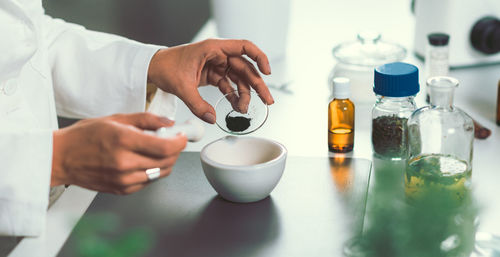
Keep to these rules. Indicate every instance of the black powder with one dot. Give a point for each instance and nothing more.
(237, 123)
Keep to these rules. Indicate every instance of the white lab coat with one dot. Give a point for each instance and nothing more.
(49, 67)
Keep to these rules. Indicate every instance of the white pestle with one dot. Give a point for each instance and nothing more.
(193, 128)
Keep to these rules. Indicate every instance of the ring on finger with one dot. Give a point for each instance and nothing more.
(153, 174)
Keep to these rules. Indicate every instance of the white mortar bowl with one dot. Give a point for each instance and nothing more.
(243, 169)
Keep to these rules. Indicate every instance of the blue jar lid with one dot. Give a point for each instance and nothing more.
(396, 79)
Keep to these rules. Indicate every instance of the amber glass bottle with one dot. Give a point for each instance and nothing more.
(341, 118)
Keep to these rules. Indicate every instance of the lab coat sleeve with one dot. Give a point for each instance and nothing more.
(96, 74)
(25, 178)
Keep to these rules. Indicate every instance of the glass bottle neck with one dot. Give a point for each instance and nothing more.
(442, 98)
(441, 91)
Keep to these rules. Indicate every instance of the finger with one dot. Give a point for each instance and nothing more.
(239, 47)
(246, 72)
(143, 120)
(104, 189)
(198, 106)
(244, 96)
(139, 176)
(128, 183)
(151, 145)
(218, 77)
(131, 189)
(136, 187)
(236, 93)
(164, 172)
(226, 89)
(132, 161)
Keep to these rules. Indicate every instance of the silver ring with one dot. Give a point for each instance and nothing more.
(153, 173)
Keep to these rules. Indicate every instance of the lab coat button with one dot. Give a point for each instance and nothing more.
(10, 87)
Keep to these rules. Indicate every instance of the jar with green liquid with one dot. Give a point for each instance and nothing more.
(440, 140)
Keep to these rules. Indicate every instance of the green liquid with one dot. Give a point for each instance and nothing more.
(435, 177)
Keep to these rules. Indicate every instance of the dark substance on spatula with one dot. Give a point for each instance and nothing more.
(237, 123)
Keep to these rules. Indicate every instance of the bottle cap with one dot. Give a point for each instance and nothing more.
(341, 88)
(438, 39)
(396, 79)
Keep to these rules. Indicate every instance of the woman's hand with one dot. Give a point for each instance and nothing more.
(111, 154)
(182, 69)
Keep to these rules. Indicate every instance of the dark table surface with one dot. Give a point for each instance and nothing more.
(317, 206)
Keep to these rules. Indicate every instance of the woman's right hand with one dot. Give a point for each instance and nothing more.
(111, 154)
(180, 70)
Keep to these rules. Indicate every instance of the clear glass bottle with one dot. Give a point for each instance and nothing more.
(436, 57)
(341, 118)
(395, 86)
(440, 146)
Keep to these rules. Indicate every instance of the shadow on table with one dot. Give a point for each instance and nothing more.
(227, 229)
(7, 244)
(221, 228)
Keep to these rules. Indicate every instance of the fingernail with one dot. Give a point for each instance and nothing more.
(166, 121)
(243, 108)
(269, 68)
(208, 117)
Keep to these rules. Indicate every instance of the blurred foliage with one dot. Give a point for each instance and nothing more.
(434, 226)
(100, 235)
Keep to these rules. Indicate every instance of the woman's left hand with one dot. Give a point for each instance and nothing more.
(182, 69)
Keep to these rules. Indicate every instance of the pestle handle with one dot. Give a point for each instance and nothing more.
(193, 128)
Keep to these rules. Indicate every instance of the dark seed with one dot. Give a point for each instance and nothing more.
(388, 135)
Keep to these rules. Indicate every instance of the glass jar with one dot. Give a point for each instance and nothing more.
(436, 57)
(440, 146)
(395, 86)
(356, 60)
